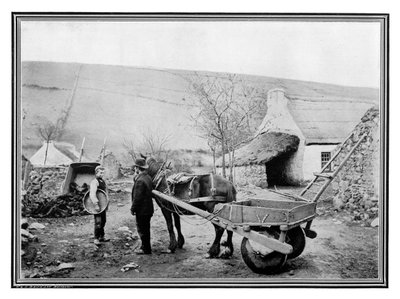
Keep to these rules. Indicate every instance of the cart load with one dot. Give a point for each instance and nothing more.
(79, 176)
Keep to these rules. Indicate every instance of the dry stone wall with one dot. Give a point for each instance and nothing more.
(251, 175)
(42, 196)
(356, 188)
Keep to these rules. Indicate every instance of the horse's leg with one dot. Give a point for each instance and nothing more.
(181, 239)
(172, 240)
(214, 249)
(228, 243)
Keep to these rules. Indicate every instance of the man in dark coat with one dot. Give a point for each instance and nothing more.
(142, 204)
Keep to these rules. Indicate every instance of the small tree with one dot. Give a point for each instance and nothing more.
(150, 143)
(130, 149)
(155, 143)
(225, 108)
(48, 131)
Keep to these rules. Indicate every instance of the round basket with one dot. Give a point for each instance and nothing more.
(89, 206)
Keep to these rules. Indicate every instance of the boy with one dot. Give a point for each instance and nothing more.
(99, 219)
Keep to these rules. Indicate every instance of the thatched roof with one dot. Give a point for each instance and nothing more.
(326, 121)
(264, 148)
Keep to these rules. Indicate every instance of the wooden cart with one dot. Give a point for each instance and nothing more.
(274, 228)
(270, 227)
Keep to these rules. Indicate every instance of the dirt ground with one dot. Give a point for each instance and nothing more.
(343, 250)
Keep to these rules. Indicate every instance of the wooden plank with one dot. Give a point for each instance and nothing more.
(208, 198)
(264, 215)
(302, 212)
(265, 241)
(239, 214)
(275, 204)
(323, 175)
(231, 212)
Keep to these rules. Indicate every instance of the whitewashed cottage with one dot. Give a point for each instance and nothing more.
(296, 138)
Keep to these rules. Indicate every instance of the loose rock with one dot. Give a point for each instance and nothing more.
(36, 226)
(375, 222)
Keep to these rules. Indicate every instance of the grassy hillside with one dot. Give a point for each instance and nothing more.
(121, 102)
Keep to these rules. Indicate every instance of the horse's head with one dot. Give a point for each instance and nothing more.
(158, 171)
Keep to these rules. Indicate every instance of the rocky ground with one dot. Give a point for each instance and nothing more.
(344, 250)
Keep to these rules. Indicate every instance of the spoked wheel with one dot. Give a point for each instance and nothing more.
(262, 260)
(297, 238)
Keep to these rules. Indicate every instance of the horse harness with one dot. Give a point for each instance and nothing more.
(182, 178)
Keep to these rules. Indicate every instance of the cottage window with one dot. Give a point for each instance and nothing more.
(325, 157)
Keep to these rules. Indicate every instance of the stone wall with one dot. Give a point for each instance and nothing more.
(356, 188)
(44, 185)
(248, 175)
(112, 167)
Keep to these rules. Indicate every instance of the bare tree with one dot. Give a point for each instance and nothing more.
(213, 145)
(151, 143)
(130, 149)
(155, 143)
(48, 131)
(226, 106)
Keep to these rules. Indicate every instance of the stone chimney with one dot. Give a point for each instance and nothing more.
(276, 100)
(278, 117)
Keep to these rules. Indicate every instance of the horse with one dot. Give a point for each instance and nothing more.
(209, 185)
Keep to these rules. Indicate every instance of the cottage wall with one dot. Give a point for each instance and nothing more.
(312, 159)
(293, 173)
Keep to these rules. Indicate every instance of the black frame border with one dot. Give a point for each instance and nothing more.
(17, 17)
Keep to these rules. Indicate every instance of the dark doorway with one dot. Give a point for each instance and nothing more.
(275, 171)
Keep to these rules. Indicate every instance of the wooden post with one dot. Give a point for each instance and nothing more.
(103, 151)
(45, 154)
(26, 174)
(81, 152)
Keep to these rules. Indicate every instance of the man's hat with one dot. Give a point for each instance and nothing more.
(99, 168)
(141, 163)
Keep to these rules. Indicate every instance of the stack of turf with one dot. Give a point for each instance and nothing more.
(41, 198)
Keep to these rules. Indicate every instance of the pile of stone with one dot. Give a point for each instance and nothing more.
(28, 237)
(127, 171)
(42, 199)
(120, 186)
(356, 188)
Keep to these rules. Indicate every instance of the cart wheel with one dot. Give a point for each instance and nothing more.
(262, 263)
(297, 238)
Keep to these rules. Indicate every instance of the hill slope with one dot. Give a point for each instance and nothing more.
(121, 102)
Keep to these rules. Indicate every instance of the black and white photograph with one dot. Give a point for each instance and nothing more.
(200, 150)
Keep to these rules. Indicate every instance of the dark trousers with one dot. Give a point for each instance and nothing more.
(143, 228)
(99, 223)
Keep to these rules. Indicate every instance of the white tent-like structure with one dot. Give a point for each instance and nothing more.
(54, 156)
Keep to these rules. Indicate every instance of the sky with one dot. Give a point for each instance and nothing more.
(344, 53)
